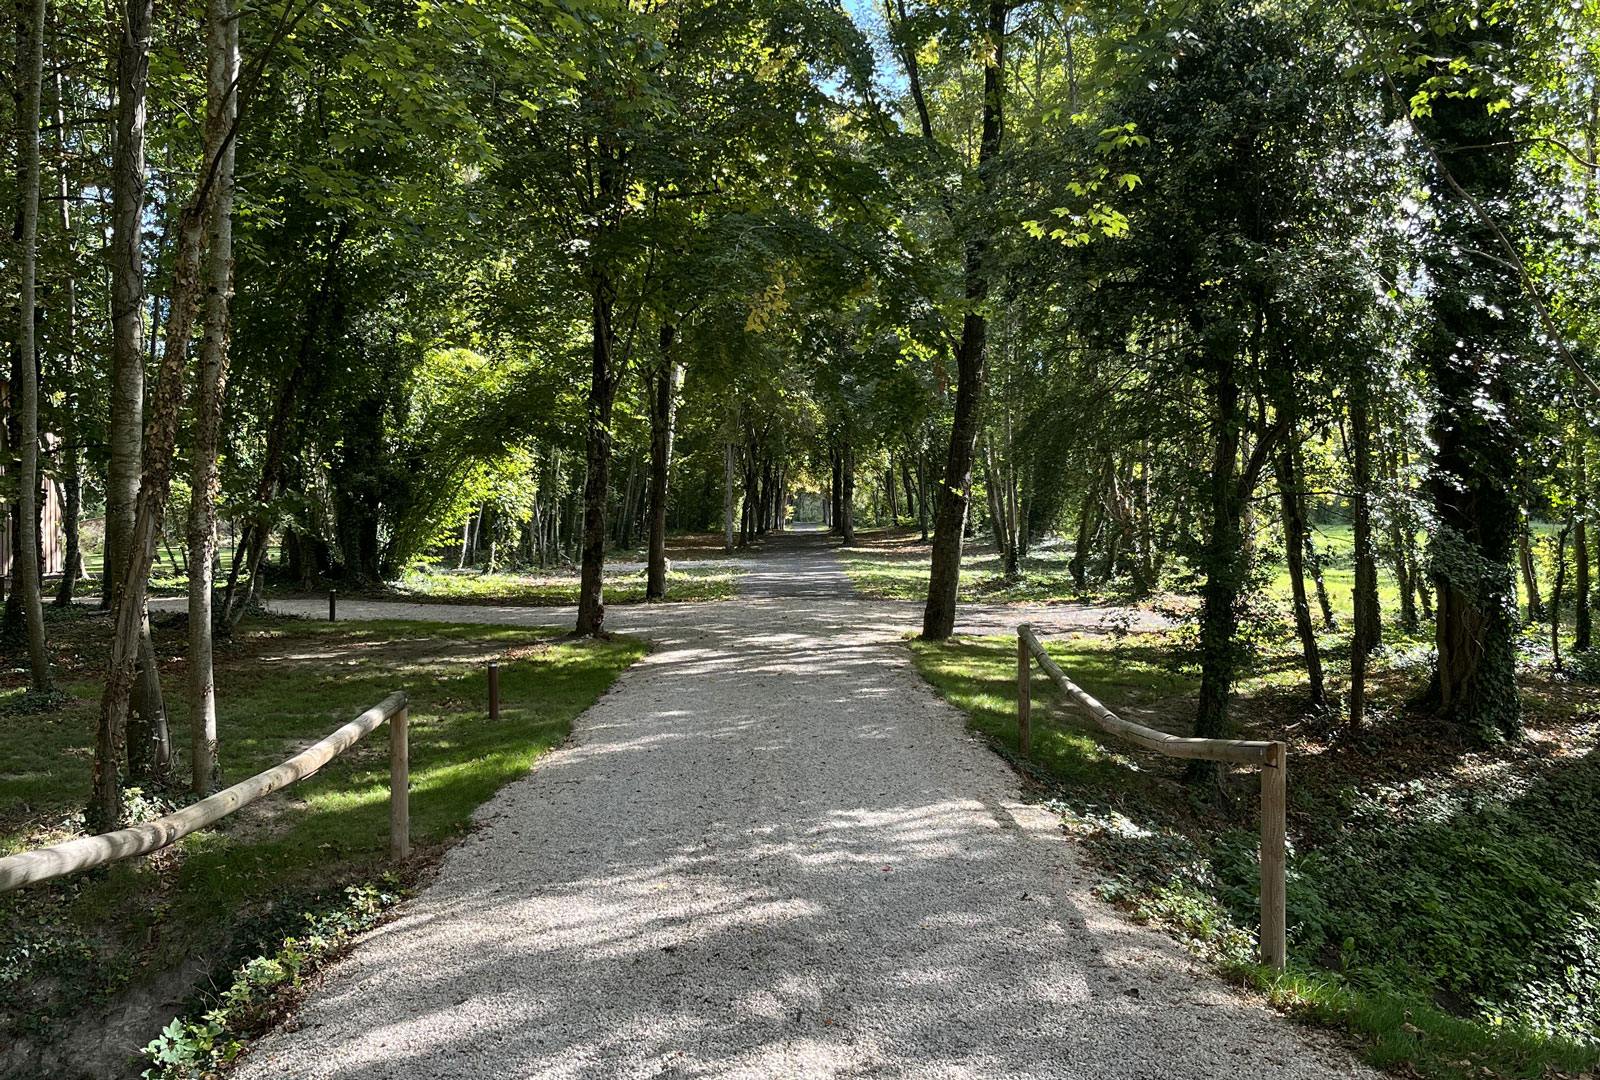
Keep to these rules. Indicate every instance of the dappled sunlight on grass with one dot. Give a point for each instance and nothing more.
(1449, 918)
(560, 587)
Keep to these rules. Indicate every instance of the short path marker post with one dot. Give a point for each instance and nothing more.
(1024, 697)
(399, 786)
(494, 691)
(333, 605)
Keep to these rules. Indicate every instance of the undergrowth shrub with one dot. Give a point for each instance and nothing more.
(191, 1049)
(1490, 908)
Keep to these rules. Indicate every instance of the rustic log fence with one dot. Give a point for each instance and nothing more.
(45, 864)
(1271, 757)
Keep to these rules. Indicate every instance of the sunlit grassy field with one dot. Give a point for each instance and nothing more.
(556, 589)
(893, 564)
(700, 571)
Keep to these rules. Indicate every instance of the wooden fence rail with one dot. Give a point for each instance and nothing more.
(1272, 757)
(31, 867)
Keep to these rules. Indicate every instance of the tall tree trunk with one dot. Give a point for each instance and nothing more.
(1016, 535)
(1001, 509)
(1555, 594)
(1078, 565)
(1472, 336)
(751, 500)
(1314, 566)
(127, 427)
(847, 492)
(1366, 631)
(222, 69)
(27, 572)
(1582, 623)
(991, 491)
(127, 289)
(629, 497)
(836, 489)
(1295, 529)
(1401, 564)
(905, 480)
(596, 488)
(663, 414)
(1530, 572)
(71, 449)
(728, 538)
(1226, 556)
(924, 519)
(161, 436)
(1149, 564)
(944, 578)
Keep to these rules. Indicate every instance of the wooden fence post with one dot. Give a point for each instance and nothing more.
(333, 605)
(494, 691)
(1024, 693)
(399, 787)
(1274, 799)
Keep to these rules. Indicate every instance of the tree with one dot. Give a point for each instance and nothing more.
(127, 277)
(1234, 269)
(130, 624)
(662, 388)
(222, 73)
(971, 354)
(27, 567)
(1471, 348)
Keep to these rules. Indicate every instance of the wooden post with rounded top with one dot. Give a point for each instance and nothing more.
(1024, 696)
(399, 787)
(1274, 800)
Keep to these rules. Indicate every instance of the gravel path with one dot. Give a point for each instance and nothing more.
(771, 852)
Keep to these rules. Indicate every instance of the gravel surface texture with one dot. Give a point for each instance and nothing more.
(771, 852)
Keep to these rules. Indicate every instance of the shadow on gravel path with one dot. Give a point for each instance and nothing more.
(771, 852)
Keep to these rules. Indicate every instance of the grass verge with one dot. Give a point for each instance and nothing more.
(1444, 903)
(559, 589)
(220, 895)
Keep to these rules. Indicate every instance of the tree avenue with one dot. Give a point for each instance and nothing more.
(1280, 318)
(550, 279)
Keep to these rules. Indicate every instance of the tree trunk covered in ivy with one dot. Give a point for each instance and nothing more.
(1366, 630)
(1469, 345)
(1223, 560)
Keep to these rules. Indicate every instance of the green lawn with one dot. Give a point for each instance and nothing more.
(168, 574)
(534, 588)
(1444, 904)
(549, 589)
(69, 945)
(893, 565)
